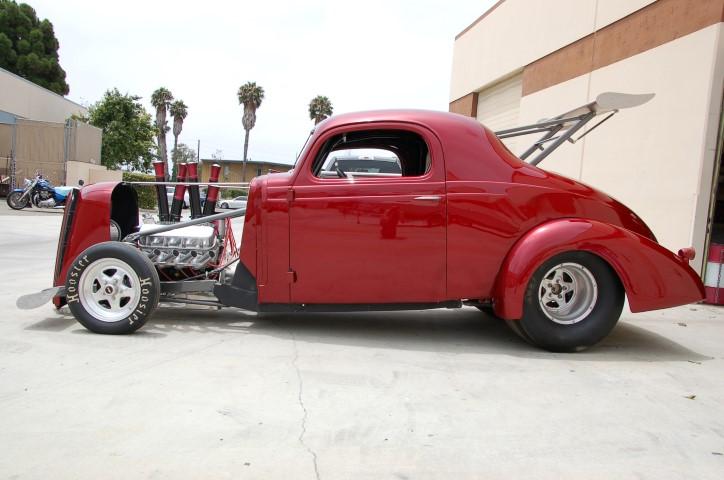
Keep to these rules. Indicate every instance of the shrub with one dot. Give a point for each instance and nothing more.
(233, 193)
(146, 194)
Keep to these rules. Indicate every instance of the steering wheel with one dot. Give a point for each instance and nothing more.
(340, 173)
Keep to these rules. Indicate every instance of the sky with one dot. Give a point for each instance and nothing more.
(363, 55)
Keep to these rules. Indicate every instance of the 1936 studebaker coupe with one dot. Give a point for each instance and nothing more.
(451, 218)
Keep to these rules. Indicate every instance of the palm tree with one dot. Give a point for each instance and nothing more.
(250, 95)
(320, 108)
(178, 112)
(161, 99)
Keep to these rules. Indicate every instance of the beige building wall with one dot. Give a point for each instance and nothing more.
(42, 141)
(44, 147)
(231, 171)
(98, 173)
(658, 158)
(6, 141)
(84, 143)
(25, 99)
(524, 31)
(90, 173)
(39, 147)
(84, 155)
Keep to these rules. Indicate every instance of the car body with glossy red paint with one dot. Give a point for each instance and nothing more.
(465, 223)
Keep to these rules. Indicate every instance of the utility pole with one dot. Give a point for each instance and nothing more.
(198, 151)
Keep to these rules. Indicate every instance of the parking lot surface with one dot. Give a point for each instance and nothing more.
(453, 394)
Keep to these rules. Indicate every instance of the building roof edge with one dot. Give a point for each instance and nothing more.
(479, 19)
(42, 88)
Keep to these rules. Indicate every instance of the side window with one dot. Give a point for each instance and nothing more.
(373, 154)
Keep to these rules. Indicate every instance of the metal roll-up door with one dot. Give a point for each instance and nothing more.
(499, 106)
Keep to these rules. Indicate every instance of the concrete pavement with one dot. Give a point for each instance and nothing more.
(201, 394)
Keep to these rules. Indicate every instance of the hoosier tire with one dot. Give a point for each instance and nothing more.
(112, 288)
(514, 325)
(571, 303)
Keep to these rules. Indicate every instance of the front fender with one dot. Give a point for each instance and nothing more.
(652, 276)
(86, 221)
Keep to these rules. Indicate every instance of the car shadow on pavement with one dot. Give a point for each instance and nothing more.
(56, 323)
(463, 331)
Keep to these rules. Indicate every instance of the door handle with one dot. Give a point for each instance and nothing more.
(428, 198)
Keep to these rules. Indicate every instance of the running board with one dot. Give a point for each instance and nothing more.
(354, 307)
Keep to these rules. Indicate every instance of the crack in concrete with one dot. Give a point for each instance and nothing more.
(304, 408)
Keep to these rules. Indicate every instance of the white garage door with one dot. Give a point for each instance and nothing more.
(499, 106)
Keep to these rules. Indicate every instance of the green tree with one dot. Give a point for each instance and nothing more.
(161, 99)
(179, 111)
(250, 96)
(320, 108)
(185, 154)
(28, 47)
(127, 131)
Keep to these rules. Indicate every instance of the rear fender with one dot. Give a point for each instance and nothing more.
(652, 276)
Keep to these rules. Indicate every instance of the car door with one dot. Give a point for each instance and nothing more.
(370, 237)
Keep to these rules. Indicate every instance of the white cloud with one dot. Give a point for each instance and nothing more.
(362, 55)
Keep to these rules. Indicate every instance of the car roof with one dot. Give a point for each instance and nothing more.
(431, 118)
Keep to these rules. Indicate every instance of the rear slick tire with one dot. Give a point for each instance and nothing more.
(572, 302)
(112, 288)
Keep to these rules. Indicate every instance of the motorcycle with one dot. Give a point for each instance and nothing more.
(39, 193)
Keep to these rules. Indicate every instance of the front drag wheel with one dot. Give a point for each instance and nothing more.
(112, 288)
(571, 303)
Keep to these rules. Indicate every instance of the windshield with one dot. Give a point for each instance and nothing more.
(304, 147)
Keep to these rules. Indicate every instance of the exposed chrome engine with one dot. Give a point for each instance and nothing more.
(194, 246)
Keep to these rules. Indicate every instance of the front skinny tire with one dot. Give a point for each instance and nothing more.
(112, 288)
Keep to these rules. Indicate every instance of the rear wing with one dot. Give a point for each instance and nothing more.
(562, 128)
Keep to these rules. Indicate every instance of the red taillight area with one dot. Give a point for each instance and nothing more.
(687, 254)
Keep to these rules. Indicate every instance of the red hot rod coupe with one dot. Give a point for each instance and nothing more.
(383, 210)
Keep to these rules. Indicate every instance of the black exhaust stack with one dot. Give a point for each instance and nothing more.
(212, 194)
(159, 169)
(178, 194)
(192, 175)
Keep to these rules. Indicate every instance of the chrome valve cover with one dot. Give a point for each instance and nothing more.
(193, 246)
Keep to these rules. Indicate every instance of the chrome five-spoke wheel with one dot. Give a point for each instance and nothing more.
(568, 293)
(572, 302)
(109, 289)
(112, 287)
